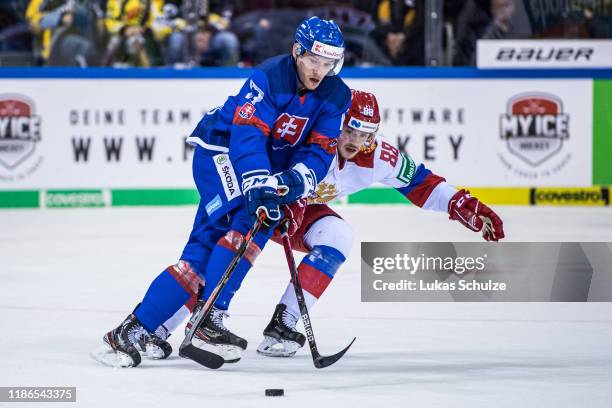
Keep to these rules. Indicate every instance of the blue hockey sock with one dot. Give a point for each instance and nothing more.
(167, 294)
(220, 258)
(222, 255)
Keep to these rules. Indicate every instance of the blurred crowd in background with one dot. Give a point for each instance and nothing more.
(151, 33)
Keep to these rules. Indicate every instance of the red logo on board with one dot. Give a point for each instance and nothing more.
(19, 130)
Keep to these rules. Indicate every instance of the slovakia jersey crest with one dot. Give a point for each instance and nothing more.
(287, 130)
(247, 111)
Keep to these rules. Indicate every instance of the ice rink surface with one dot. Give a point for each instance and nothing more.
(68, 276)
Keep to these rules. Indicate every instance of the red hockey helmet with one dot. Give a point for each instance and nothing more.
(363, 114)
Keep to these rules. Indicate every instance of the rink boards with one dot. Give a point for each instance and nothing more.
(101, 137)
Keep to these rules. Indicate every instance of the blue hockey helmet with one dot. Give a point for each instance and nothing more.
(321, 37)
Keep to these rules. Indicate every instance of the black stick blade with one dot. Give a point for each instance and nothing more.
(202, 357)
(323, 361)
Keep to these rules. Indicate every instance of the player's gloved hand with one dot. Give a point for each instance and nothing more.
(260, 193)
(295, 183)
(475, 215)
(294, 213)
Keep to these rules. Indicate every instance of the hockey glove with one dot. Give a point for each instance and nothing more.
(475, 215)
(295, 214)
(260, 194)
(295, 183)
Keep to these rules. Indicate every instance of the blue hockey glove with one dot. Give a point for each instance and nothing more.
(260, 192)
(295, 183)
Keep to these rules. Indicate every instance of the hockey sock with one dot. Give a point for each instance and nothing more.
(316, 272)
(220, 258)
(179, 317)
(167, 294)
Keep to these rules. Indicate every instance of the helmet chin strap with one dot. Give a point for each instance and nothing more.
(302, 88)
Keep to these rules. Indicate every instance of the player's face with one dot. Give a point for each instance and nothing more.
(312, 69)
(350, 141)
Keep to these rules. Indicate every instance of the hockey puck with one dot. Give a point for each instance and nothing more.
(275, 392)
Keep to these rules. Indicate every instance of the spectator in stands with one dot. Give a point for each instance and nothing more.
(600, 18)
(67, 31)
(396, 13)
(356, 25)
(215, 45)
(400, 31)
(393, 41)
(519, 19)
(192, 35)
(174, 33)
(134, 38)
(14, 30)
(265, 33)
(481, 19)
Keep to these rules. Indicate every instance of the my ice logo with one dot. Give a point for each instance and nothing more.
(534, 127)
(19, 130)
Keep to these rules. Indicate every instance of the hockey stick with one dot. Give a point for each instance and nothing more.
(319, 360)
(187, 349)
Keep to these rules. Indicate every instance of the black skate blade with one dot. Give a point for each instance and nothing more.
(202, 357)
(325, 361)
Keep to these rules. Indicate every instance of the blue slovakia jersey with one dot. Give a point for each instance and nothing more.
(268, 125)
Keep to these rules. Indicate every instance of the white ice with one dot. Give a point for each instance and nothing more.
(68, 276)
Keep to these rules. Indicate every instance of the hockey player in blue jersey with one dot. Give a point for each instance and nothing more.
(278, 133)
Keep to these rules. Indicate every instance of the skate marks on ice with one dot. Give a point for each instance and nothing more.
(408, 374)
(398, 372)
(437, 366)
(109, 358)
(406, 355)
(104, 356)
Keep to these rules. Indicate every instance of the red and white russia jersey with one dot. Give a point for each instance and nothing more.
(383, 164)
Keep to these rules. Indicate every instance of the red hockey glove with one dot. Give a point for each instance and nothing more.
(294, 212)
(475, 215)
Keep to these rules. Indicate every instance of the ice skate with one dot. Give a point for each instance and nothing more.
(124, 344)
(281, 339)
(153, 345)
(214, 337)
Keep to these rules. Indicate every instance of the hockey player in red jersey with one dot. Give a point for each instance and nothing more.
(363, 158)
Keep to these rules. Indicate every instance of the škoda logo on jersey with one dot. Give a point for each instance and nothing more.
(19, 130)
(534, 127)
